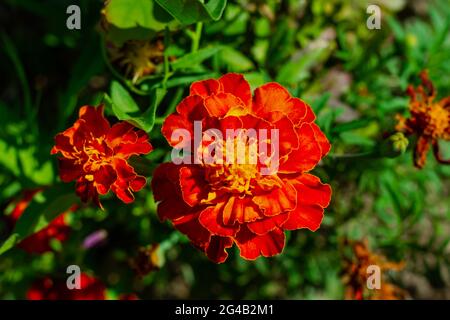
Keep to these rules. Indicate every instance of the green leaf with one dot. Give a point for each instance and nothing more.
(123, 102)
(22, 162)
(126, 109)
(119, 36)
(299, 68)
(193, 59)
(126, 14)
(9, 243)
(235, 60)
(39, 214)
(396, 28)
(351, 125)
(192, 11)
(42, 210)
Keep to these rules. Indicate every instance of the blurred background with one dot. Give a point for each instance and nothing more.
(322, 51)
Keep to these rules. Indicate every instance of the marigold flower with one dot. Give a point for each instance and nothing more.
(50, 289)
(356, 274)
(218, 204)
(56, 289)
(430, 120)
(95, 154)
(40, 242)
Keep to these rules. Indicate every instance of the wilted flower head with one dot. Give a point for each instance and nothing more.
(138, 57)
(95, 155)
(149, 258)
(40, 242)
(356, 273)
(221, 203)
(430, 120)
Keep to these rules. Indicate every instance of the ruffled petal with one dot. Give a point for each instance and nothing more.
(308, 154)
(116, 133)
(211, 218)
(104, 178)
(304, 216)
(95, 122)
(324, 144)
(420, 152)
(277, 201)
(261, 227)
(219, 104)
(237, 85)
(140, 146)
(311, 191)
(240, 210)
(189, 225)
(194, 188)
(125, 177)
(63, 144)
(205, 88)
(313, 197)
(216, 250)
(251, 246)
(68, 170)
(189, 110)
(167, 191)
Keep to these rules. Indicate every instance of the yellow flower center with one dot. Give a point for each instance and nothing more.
(234, 178)
(92, 157)
(236, 169)
(438, 121)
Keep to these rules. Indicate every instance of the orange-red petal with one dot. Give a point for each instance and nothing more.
(237, 85)
(216, 250)
(251, 246)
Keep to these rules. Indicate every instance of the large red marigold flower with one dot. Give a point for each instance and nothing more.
(95, 154)
(430, 120)
(218, 204)
(40, 242)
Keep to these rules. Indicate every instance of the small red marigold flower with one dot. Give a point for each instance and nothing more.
(430, 120)
(56, 289)
(39, 242)
(95, 154)
(221, 204)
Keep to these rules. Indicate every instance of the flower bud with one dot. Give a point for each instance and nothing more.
(394, 145)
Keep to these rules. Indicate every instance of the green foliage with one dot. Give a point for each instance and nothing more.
(125, 108)
(321, 51)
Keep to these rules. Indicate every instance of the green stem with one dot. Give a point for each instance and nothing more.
(174, 102)
(167, 73)
(353, 155)
(12, 53)
(196, 37)
(159, 121)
